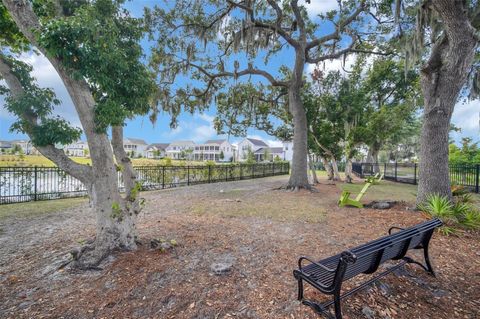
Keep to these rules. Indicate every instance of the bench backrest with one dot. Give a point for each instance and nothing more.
(392, 247)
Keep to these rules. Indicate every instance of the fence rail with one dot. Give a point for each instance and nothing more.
(23, 184)
(467, 175)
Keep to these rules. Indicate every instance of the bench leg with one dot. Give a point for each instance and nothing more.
(338, 306)
(427, 261)
(300, 289)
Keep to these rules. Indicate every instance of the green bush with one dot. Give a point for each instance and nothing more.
(455, 215)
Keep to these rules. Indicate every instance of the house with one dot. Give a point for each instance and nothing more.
(135, 147)
(214, 150)
(180, 150)
(78, 149)
(287, 151)
(156, 150)
(5, 147)
(268, 153)
(249, 144)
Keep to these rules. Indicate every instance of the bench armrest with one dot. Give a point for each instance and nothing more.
(313, 262)
(394, 227)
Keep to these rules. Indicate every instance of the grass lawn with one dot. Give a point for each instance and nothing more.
(39, 160)
(33, 209)
(385, 190)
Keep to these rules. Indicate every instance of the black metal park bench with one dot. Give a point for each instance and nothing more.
(327, 275)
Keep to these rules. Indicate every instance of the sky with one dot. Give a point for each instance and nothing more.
(198, 127)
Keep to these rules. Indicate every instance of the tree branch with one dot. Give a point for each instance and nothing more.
(249, 71)
(28, 23)
(129, 174)
(338, 30)
(79, 171)
(333, 55)
(299, 19)
(260, 24)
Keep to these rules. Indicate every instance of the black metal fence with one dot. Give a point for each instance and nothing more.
(23, 184)
(467, 175)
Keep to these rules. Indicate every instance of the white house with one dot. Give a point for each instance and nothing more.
(287, 151)
(79, 149)
(271, 152)
(180, 149)
(249, 144)
(156, 150)
(212, 150)
(135, 147)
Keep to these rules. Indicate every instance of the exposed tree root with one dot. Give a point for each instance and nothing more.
(89, 256)
(297, 188)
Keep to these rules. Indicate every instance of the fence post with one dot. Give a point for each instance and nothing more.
(264, 165)
(226, 173)
(273, 169)
(163, 177)
(188, 175)
(241, 171)
(35, 185)
(253, 170)
(209, 173)
(396, 170)
(414, 173)
(477, 178)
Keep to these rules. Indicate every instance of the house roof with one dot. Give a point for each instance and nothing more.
(272, 150)
(257, 142)
(219, 142)
(158, 146)
(5, 144)
(276, 150)
(182, 143)
(134, 141)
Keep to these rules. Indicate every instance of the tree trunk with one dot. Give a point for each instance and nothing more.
(369, 155)
(336, 173)
(312, 169)
(299, 175)
(115, 216)
(328, 168)
(348, 171)
(442, 79)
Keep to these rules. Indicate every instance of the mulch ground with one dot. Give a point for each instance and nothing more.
(180, 283)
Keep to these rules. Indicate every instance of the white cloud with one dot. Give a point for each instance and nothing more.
(174, 131)
(203, 133)
(467, 117)
(47, 77)
(316, 7)
(333, 65)
(205, 117)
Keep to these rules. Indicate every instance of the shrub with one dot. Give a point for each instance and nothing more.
(454, 215)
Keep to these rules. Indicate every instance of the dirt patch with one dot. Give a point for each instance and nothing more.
(260, 232)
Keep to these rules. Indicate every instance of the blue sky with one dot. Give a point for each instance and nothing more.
(198, 127)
